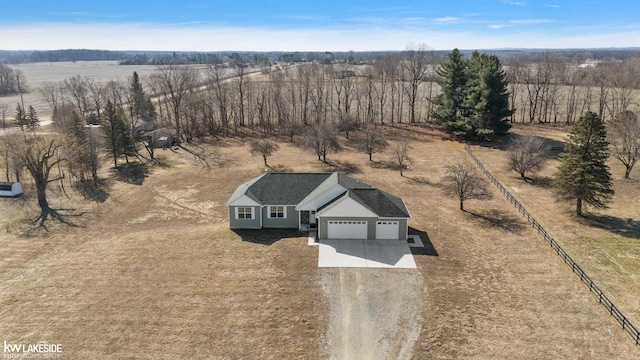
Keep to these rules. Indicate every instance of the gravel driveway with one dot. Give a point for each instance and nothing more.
(374, 313)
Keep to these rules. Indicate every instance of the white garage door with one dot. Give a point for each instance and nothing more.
(347, 229)
(387, 230)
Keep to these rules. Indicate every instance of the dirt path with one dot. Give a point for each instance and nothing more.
(374, 313)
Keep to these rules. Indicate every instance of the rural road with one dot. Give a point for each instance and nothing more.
(373, 313)
(16, 129)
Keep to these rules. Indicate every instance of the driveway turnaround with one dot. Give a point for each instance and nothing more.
(365, 253)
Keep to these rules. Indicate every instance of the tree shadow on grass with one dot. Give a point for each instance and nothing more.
(498, 219)
(267, 236)
(50, 214)
(94, 191)
(384, 165)
(279, 168)
(420, 180)
(344, 167)
(628, 228)
(428, 248)
(543, 182)
(132, 173)
(207, 157)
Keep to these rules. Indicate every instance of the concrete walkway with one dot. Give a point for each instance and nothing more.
(365, 253)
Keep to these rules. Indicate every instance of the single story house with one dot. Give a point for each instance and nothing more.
(10, 189)
(338, 206)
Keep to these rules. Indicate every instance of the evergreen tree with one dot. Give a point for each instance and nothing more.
(115, 131)
(142, 108)
(583, 175)
(474, 101)
(451, 76)
(21, 117)
(486, 104)
(32, 120)
(81, 149)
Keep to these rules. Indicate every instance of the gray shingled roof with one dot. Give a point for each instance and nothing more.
(351, 183)
(291, 188)
(380, 202)
(284, 188)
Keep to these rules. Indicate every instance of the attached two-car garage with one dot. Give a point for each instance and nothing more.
(342, 229)
(347, 229)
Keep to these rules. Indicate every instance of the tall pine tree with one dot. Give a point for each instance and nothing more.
(452, 78)
(474, 99)
(486, 104)
(141, 109)
(583, 175)
(21, 117)
(32, 118)
(115, 131)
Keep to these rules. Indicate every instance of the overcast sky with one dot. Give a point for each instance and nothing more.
(274, 25)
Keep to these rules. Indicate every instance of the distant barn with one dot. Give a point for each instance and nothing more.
(10, 189)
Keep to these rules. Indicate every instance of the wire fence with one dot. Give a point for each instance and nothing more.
(575, 268)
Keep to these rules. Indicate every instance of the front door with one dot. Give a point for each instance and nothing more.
(312, 218)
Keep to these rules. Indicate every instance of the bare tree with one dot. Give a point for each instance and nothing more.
(347, 124)
(8, 84)
(52, 94)
(304, 75)
(41, 156)
(401, 154)
(415, 71)
(264, 148)
(344, 85)
(220, 95)
(175, 82)
(526, 153)
(323, 139)
(98, 93)
(536, 78)
(463, 182)
(4, 111)
(624, 137)
(76, 86)
(515, 73)
(9, 146)
(372, 141)
(240, 81)
(387, 67)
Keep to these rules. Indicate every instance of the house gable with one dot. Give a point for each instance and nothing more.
(346, 207)
(317, 199)
(242, 200)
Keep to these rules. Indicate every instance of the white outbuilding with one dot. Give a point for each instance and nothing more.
(10, 189)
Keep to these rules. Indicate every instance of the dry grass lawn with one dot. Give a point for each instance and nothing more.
(605, 242)
(154, 271)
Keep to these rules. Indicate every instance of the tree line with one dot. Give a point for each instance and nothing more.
(312, 101)
(11, 81)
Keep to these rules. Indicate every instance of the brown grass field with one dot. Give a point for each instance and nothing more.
(154, 272)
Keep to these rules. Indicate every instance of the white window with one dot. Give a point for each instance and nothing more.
(244, 213)
(277, 212)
